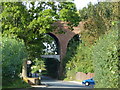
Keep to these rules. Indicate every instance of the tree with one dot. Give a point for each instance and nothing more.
(39, 65)
(68, 13)
(98, 20)
(30, 24)
(13, 55)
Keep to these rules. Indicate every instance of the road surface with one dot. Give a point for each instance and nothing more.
(52, 83)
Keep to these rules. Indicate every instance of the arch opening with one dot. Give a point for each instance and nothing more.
(73, 43)
(51, 44)
(51, 56)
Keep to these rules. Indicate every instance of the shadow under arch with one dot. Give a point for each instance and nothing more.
(52, 67)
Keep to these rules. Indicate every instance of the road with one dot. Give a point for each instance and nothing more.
(52, 83)
(63, 84)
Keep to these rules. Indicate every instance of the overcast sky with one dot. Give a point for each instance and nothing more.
(83, 3)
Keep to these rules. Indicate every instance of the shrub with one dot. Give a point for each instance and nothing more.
(80, 62)
(71, 74)
(17, 83)
(13, 53)
(105, 58)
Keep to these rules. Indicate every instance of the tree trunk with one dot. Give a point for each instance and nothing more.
(24, 69)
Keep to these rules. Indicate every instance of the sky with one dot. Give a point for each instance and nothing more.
(83, 3)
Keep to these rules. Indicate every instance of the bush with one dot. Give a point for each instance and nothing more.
(71, 74)
(83, 59)
(13, 53)
(80, 62)
(105, 58)
(17, 83)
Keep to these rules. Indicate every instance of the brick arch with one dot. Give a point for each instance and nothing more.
(64, 38)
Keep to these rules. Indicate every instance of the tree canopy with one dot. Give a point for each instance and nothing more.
(31, 20)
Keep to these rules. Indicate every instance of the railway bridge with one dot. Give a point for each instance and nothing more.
(63, 39)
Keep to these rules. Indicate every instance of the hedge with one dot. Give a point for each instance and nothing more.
(105, 58)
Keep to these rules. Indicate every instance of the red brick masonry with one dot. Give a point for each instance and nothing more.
(64, 38)
(83, 76)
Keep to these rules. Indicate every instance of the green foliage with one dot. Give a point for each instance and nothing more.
(14, 17)
(98, 20)
(67, 15)
(79, 61)
(39, 64)
(13, 53)
(106, 62)
(17, 83)
(36, 19)
(51, 45)
(0, 59)
(72, 46)
(69, 71)
(71, 74)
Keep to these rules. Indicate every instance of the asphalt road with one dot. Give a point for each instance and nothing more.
(52, 84)
(63, 84)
